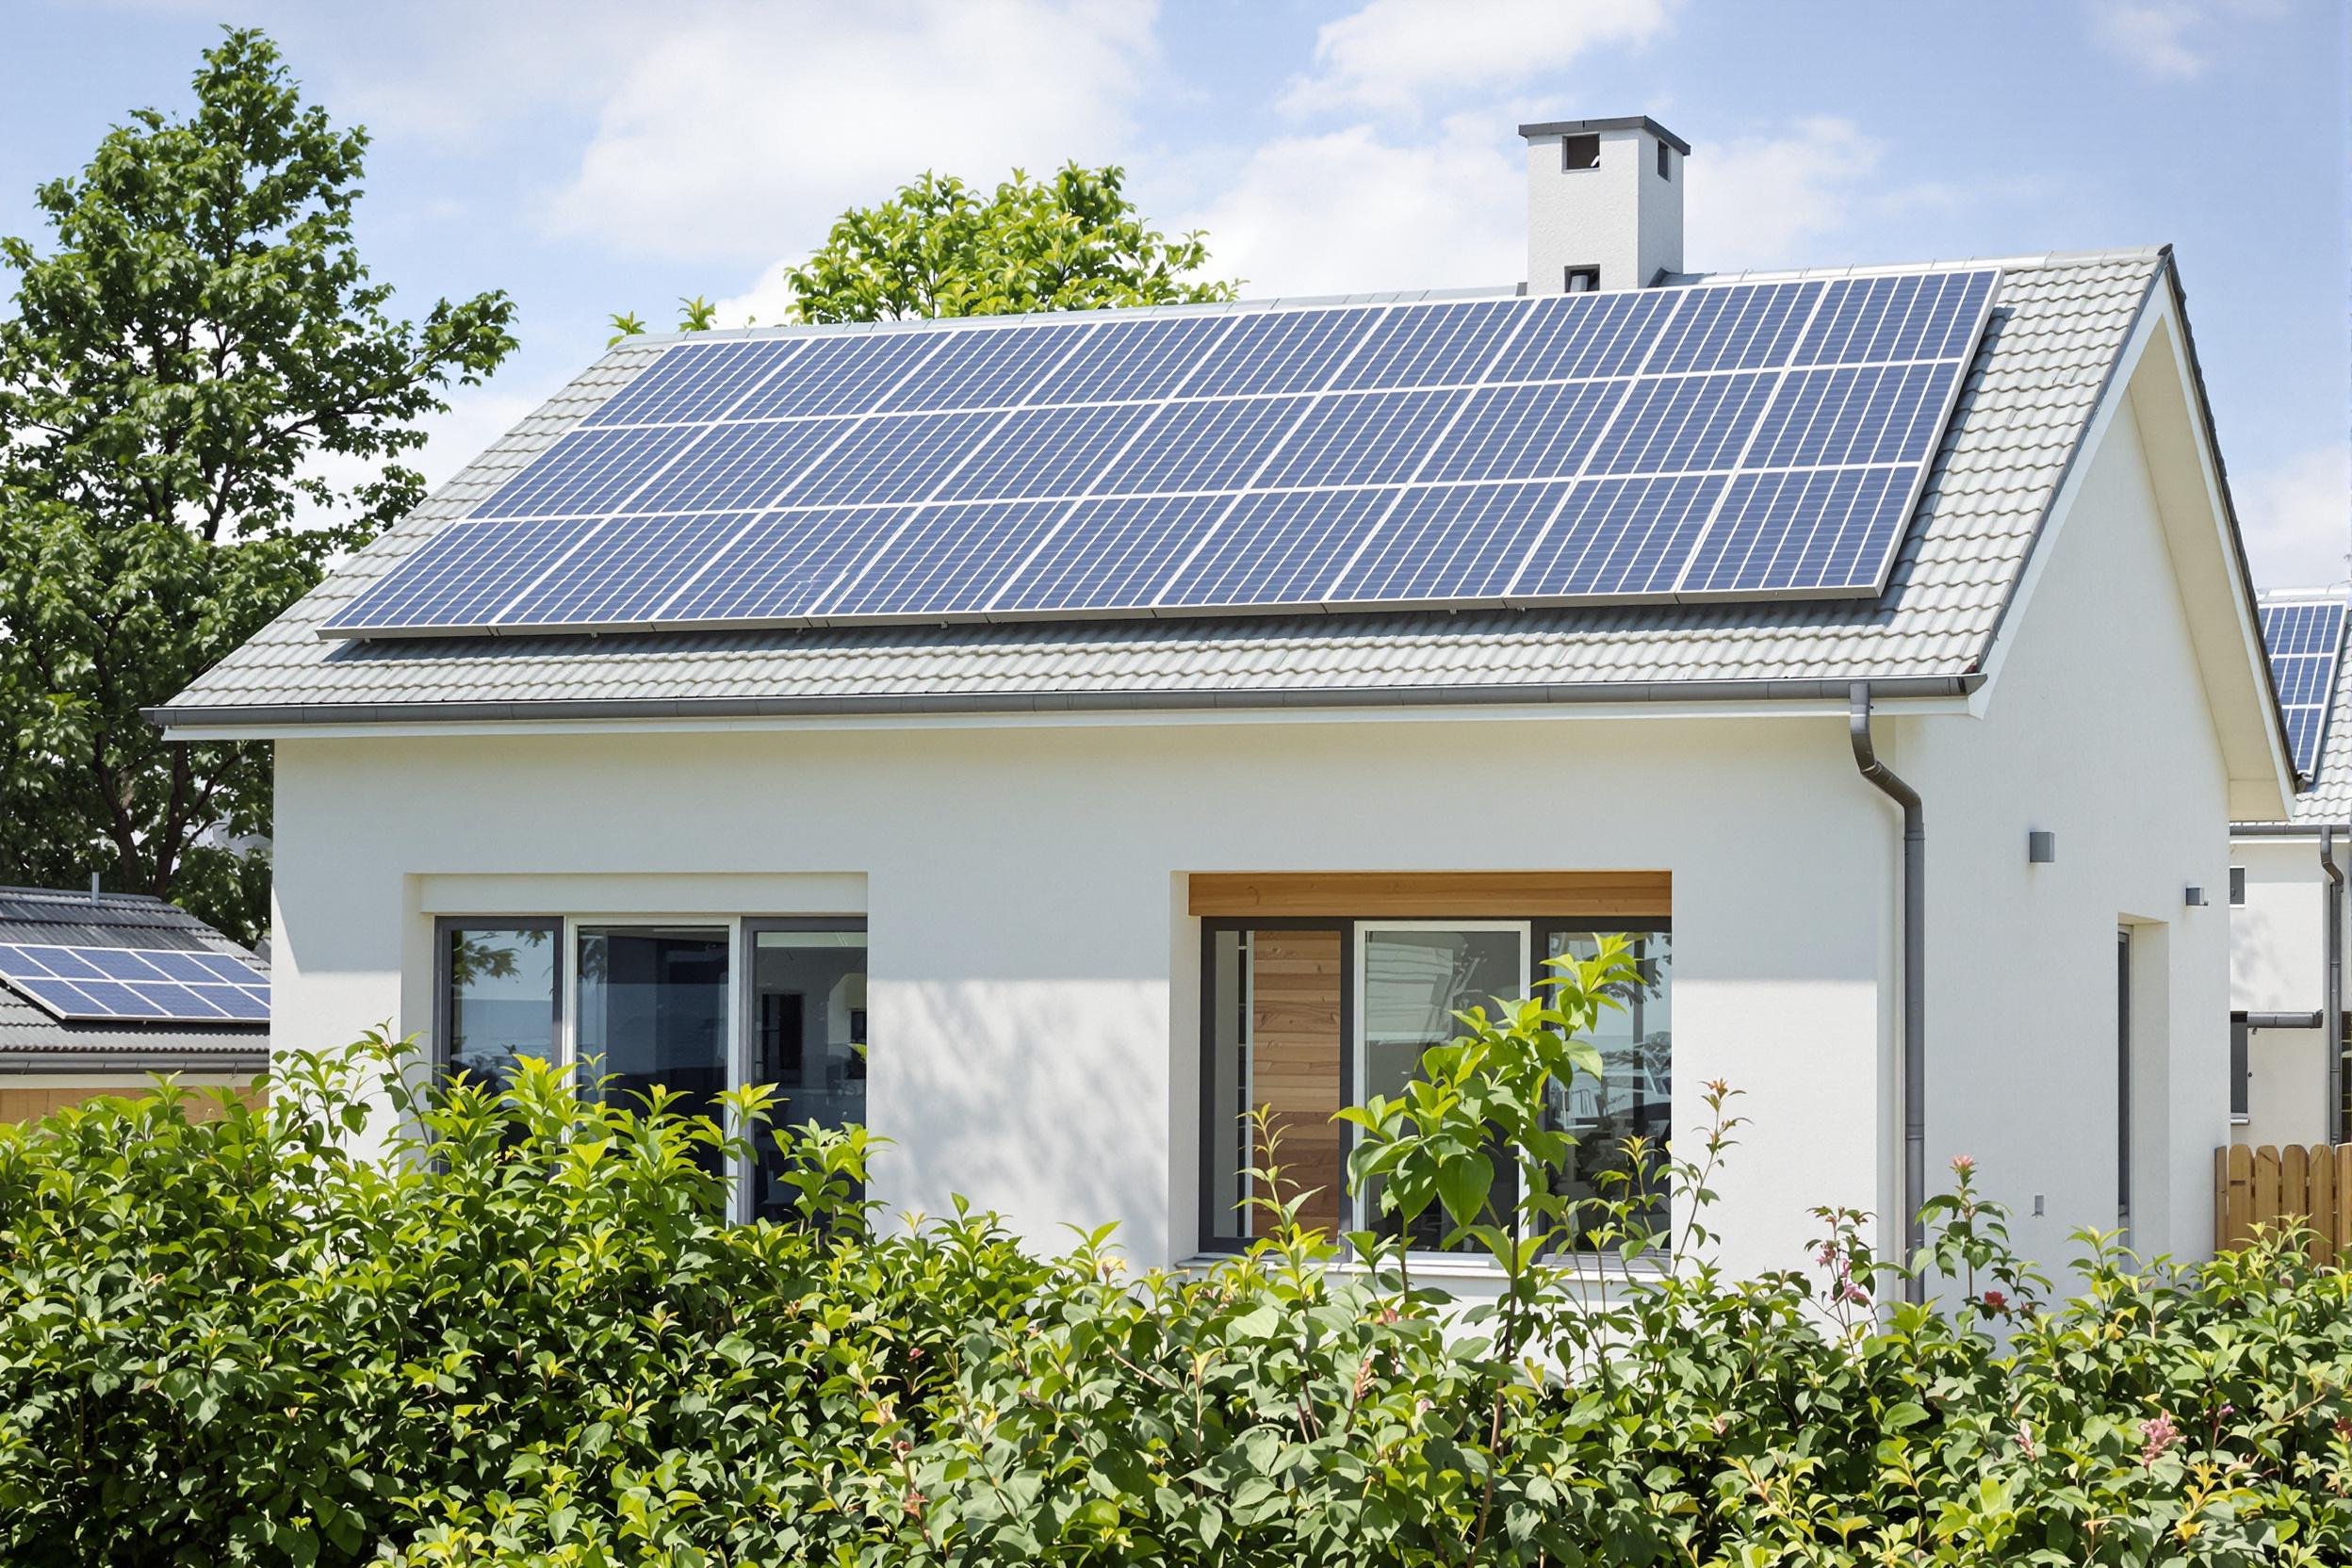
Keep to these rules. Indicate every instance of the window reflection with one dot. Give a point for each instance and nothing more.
(809, 1040)
(1634, 1097)
(653, 1010)
(500, 999)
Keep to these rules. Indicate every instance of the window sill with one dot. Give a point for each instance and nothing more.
(1441, 1266)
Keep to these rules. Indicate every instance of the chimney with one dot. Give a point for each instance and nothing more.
(1604, 203)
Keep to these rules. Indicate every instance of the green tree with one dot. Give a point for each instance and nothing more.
(191, 363)
(941, 248)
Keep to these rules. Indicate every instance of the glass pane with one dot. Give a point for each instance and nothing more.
(653, 1010)
(809, 1038)
(503, 1000)
(1415, 982)
(1274, 1040)
(1620, 1122)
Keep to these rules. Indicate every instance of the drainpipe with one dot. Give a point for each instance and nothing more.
(1912, 1190)
(2332, 1007)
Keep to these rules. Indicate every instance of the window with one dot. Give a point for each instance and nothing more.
(653, 1009)
(1665, 162)
(1581, 280)
(2237, 887)
(2238, 1067)
(1634, 1098)
(1300, 1017)
(807, 1021)
(1579, 152)
(500, 998)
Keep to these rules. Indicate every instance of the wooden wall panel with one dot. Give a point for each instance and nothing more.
(1294, 1026)
(30, 1102)
(1467, 895)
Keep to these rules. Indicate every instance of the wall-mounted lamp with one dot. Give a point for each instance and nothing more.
(2194, 898)
(2041, 848)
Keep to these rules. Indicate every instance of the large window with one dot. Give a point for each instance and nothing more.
(1300, 1017)
(500, 997)
(694, 1007)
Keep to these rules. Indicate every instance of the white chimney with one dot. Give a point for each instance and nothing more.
(1604, 203)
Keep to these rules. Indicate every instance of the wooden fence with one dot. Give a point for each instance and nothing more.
(2267, 1186)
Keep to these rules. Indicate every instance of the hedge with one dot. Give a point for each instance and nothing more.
(533, 1337)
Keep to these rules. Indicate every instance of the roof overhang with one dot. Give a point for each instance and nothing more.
(2157, 382)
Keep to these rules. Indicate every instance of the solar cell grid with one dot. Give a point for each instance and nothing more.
(150, 985)
(2304, 638)
(692, 381)
(845, 477)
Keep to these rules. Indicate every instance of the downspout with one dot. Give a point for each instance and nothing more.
(2331, 1006)
(1911, 1190)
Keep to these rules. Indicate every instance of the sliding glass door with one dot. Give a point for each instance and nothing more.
(806, 1018)
(653, 1009)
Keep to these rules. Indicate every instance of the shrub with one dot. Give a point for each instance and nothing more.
(539, 1341)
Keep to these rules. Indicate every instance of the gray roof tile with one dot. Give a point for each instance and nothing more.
(2057, 330)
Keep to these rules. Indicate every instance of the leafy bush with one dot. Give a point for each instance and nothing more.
(232, 1341)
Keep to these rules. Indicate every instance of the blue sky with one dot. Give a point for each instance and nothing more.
(588, 158)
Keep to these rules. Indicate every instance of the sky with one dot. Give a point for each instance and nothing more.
(589, 158)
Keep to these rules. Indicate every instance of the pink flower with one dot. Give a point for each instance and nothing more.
(2025, 1439)
(1853, 1293)
(2157, 1436)
(1963, 1164)
(1995, 1300)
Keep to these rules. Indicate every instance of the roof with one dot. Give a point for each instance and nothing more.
(32, 1041)
(2325, 798)
(1616, 122)
(2057, 335)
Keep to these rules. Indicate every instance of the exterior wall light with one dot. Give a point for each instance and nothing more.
(2041, 849)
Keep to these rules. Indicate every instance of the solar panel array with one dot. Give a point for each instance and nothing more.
(1752, 439)
(2305, 638)
(138, 984)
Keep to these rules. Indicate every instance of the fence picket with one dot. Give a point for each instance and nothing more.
(2308, 1185)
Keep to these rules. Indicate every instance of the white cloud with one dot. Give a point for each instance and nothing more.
(745, 131)
(1392, 55)
(1756, 201)
(2297, 517)
(1350, 210)
(2171, 39)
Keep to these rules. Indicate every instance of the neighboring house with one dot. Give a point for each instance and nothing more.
(2287, 894)
(100, 991)
(1118, 720)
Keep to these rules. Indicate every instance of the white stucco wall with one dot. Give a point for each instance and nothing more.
(2096, 729)
(1025, 889)
(2278, 964)
(1618, 216)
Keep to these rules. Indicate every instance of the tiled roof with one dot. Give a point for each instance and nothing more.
(2057, 330)
(32, 1041)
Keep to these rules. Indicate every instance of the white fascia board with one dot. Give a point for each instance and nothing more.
(1110, 719)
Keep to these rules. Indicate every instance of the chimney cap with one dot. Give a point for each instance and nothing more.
(1621, 122)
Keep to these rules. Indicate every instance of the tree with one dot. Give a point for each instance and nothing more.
(939, 248)
(201, 335)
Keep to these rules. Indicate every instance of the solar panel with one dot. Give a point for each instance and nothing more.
(1743, 439)
(153, 985)
(2305, 638)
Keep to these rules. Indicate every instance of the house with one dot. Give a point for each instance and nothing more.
(1045, 739)
(2287, 897)
(99, 992)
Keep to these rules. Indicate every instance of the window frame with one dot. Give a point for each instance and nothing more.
(1580, 139)
(1538, 929)
(743, 1196)
(444, 1003)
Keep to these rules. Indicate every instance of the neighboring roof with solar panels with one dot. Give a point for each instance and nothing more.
(2056, 331)
(123, 983)
(2305, 631)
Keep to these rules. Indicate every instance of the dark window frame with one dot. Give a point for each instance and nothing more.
(1570, 273)
(744, 1201)
(1569, 146)
(2237, 887)
(443, 1004)
(1539, 927)
(1665, 162)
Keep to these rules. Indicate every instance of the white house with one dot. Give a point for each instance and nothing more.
(2287, 895)
(786, 776)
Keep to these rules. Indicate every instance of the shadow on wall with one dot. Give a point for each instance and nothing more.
(1047, 1103)
(2257, 968)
